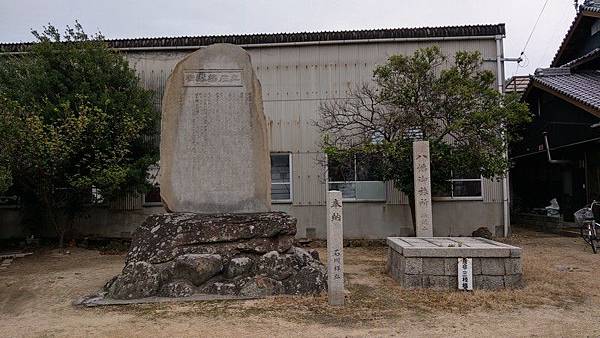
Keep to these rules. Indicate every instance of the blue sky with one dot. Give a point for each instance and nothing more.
(129, 18)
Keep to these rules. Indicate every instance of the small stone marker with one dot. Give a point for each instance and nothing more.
(335, 248)
(422, 183)
(465, 274)
(214, 146)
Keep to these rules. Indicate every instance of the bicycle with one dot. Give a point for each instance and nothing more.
(589, 224)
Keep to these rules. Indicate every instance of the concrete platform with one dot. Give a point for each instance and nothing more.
(432, 262)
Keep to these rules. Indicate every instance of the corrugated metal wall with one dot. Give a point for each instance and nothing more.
(295, 80)
(492, 191)
(127, 202)
(393, 195)
(308, 182)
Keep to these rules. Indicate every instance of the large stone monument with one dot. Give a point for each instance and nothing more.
(220, 236)
(214, 142)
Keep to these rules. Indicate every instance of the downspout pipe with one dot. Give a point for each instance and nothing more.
(505, 183)
(550, 160)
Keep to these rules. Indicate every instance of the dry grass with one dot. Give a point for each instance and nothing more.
(373, 296)
(561, 276)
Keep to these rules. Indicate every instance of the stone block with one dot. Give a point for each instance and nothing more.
(197, 268)
(389, 261)
(413, 265)
(487, 282)
(453, 282)
(514, 281)
(513, 266)
(412, 281)
(476, 266)
(515, 252)
(436, 282)
(451, 266)
(492, 266)
(433, 266)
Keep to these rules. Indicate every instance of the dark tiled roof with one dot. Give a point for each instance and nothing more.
(249, 39)
(583, 59)
(582, 87)
(588, 7)
(517, 84)
(591, 6)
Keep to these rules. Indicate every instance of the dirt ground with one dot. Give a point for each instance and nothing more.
(562, 298)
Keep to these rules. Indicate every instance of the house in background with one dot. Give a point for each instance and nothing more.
(298, 71)
(517, 84)
(559, 156)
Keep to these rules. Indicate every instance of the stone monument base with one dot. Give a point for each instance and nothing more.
(432, 262)
(246, 255)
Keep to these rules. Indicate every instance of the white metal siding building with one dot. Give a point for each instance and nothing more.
(297, 72)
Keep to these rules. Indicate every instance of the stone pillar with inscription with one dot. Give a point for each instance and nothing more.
(335, 248)
(422, 183)
(214, 149)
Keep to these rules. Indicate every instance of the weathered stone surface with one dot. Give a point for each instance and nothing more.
(436, 282)
(476, 266)
(276, 266)
(413, 265)
(412, 281)
(238, 266)
(487, 282)
(138, 280)
(450, 267)
(313, 253)
(513, 266)
(197, 268)
(261, 286)
(214, 138)
(255, 260)
(451, 247)
(433, 266)
(310, 279)
(178, 288)
(163, 237)
(422, 189)
(483, 232)
(492, 266)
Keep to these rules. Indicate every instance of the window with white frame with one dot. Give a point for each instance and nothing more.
(356, 178)
(281, 177)
(465, 185)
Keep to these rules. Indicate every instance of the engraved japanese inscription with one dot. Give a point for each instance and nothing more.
(212, 78)
(422, 183)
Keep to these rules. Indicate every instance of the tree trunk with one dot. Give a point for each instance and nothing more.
(61, 238)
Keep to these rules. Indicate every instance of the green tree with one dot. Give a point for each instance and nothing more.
(77, 119)
(454, 105)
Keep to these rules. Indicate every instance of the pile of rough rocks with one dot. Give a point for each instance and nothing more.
(248, 255)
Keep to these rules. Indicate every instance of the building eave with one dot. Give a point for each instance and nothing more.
(578, 103)
(282, 39)
(561, 49)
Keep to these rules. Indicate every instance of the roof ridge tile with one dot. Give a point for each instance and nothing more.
(261, 38)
